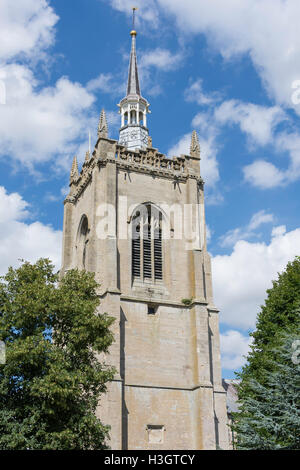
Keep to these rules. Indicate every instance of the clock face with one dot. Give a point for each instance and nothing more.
(134, 135)
(145, 139)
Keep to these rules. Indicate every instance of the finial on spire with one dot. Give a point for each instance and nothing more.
(133, 87)
(134, 9)
(74, 171)
(103, 127)
(195, 146)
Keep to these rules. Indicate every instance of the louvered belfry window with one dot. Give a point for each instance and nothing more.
(147, 244)
(136, 254)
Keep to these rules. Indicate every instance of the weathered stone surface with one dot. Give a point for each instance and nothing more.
(167, 392)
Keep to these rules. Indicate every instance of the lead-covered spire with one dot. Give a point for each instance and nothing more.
(133, 87)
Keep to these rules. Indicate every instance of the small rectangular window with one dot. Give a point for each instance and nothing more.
(152, 309)
(155, 434)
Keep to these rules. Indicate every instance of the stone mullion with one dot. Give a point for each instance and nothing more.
(142, 249)
(152, 233)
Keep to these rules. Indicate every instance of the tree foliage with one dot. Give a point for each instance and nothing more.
(269, 418)
(268, 376)
(52, 379)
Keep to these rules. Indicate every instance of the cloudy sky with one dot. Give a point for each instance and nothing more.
(229, 69)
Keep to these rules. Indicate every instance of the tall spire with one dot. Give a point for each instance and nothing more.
(102, 126)
(133, 87)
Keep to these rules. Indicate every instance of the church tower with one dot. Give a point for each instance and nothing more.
(136, 219)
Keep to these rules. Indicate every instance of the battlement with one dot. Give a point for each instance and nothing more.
(148, 161)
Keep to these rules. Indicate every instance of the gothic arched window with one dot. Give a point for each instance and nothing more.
(147, 244)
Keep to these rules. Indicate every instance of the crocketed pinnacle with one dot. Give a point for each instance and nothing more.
(74, 170)
(103, 127)
(133, 87)
(195, 146)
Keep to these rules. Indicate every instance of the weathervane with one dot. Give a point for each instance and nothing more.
(134, 9)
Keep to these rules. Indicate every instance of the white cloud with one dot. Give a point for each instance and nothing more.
(278, 231)
(208, 164)
(263, 175)
(26, 27)
(259, 123)
(290, 142)
(195, 93)
(43, 123)
(107, 83)
(147, 10)
(266, 175)
(266, 30)
(103, 83)
(160, 58)
(182, 146)
(261, 217)
(38, 124)
(258, 219)
(209, 233)
(234, 348)
(242, 278)
(256, 121)
(20, 240)
(12, 207)
(207, 133)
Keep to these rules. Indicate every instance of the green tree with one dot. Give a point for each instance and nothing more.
(280, 313)
(52, 379)
(278, 316)
(269, 418)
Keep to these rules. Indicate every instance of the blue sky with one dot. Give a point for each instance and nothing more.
(227, 69)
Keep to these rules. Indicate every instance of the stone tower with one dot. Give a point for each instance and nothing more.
(136, 219)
